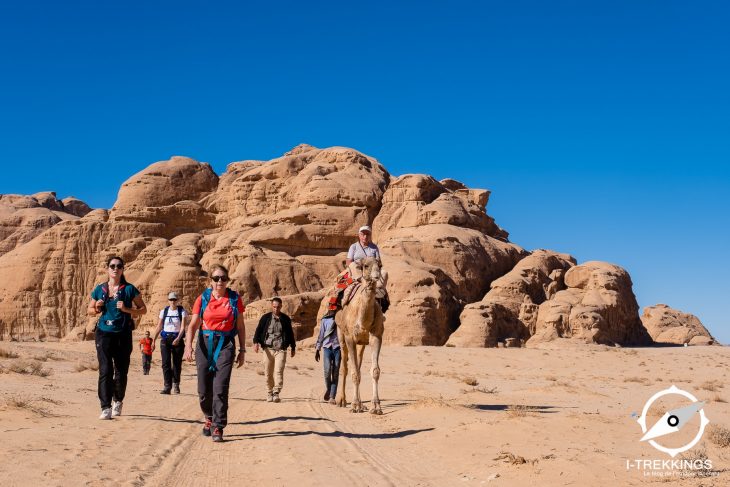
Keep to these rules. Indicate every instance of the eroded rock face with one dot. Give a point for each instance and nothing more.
(597, 306)
(670, 326)
(282, 227)
(441, 251)
(22, 218)
(509, 309)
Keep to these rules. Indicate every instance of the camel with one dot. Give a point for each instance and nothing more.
(358, 323)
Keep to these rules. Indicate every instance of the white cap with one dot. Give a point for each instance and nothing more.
(365, 228)
(172, 295)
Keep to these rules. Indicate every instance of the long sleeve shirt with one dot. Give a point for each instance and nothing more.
(327, 334)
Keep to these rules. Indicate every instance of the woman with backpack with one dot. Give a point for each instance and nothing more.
(219, 313)
(118, 303)
(172, 346)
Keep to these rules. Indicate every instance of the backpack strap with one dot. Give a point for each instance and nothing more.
(233, 297)
(204, 299)
(164, 315)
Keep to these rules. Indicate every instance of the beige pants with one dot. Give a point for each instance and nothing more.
(274, 361)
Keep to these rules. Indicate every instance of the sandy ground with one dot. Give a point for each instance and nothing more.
(566, 413)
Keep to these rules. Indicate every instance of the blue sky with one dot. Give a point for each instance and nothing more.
(602, 128)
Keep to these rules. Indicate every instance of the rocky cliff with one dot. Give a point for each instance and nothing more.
(283, 227)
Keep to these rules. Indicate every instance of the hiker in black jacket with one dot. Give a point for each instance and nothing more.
(274, 335)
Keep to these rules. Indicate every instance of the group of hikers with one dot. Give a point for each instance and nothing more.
(217, 318)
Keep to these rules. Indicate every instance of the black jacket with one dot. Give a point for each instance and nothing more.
(287, 339)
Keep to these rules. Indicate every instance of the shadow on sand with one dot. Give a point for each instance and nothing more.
(329, 434)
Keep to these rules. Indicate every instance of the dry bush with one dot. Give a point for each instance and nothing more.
(513, 459)
(698, 455)
(81, 366)
(24, 403)
(551, 378)
(639, 380)
(46, 356)
(711, 385)
(719, 435)
(486, 390)
(29, 368)
(470, 381)
(8, 354)
(717, 398)
(520, 410)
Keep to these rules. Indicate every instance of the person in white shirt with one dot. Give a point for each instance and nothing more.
(171, 327)
(364, 247)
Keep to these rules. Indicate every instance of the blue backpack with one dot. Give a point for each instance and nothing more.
(213, 355)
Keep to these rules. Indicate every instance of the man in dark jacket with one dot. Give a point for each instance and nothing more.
(274, 335)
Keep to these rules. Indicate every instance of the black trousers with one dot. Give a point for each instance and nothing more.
(113, 351)
(146, 363)
(171, 360)
(213, 385)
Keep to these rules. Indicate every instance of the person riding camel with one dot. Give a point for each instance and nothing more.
(361, 249)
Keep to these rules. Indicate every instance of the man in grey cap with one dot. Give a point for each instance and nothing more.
(364, 247)
(172, 346)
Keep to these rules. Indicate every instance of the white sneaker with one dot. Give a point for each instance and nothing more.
(270, 398)
(117, 408)
(106, 413)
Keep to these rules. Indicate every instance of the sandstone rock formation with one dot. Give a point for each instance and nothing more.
(442, 250)
(509, 309)
(670, 326)
(22, 218)
(283, 227)
(597, 306)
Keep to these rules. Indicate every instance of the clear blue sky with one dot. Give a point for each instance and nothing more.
(602, 127)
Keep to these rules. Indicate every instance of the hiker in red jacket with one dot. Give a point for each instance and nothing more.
(145, 345)
(221, 312)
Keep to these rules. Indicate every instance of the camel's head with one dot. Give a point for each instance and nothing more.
(368, 269)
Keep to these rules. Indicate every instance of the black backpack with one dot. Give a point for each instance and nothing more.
(179, 314)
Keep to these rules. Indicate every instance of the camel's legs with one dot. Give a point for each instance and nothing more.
(341, 398)
(360, 353)
(375, 343)
(355, 366)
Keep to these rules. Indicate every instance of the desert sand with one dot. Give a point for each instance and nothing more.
(452, 416)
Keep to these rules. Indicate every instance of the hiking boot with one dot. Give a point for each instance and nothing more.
(106, 413)
(326, 395)
(176, 388)
(206, 426)
(218, 434)
(270, 397)
(276, 398)
(166, 390)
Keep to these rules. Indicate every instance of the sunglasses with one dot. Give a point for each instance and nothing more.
(116, 266)
(172, 299)
(220, 278)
